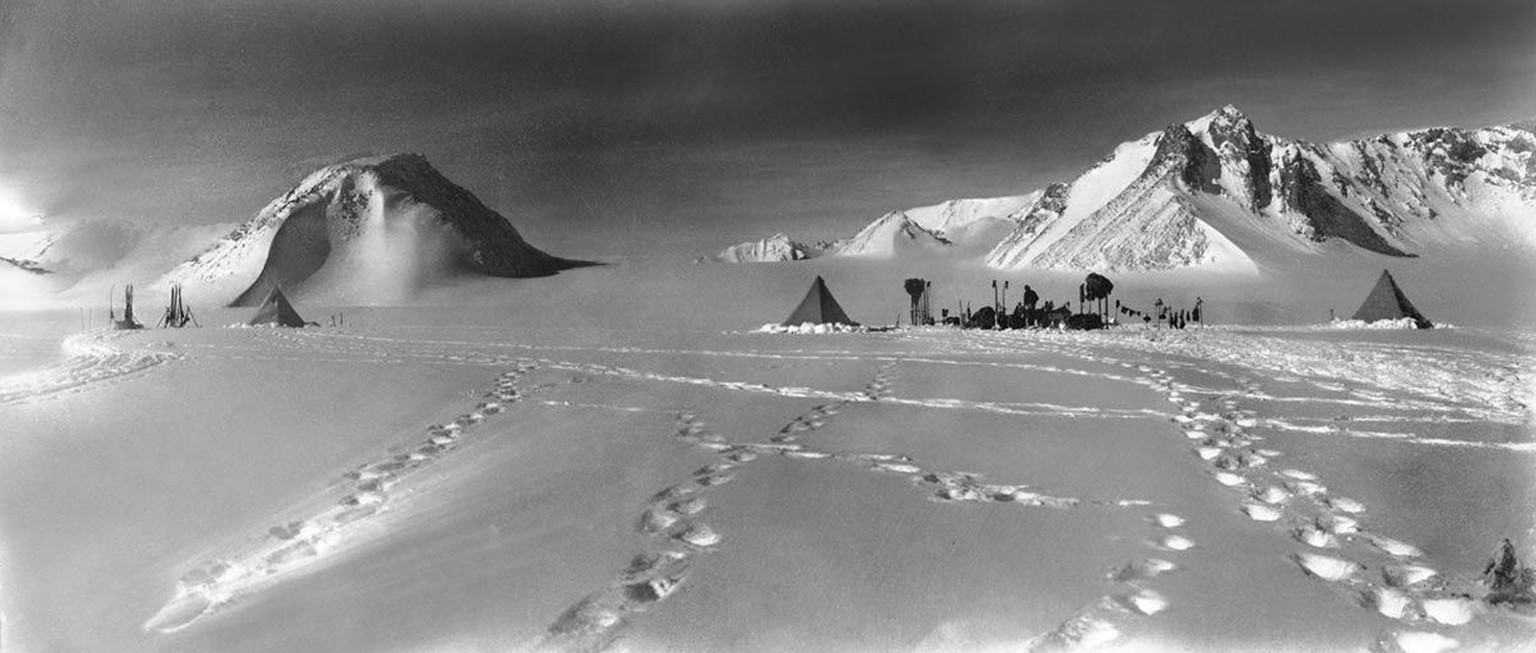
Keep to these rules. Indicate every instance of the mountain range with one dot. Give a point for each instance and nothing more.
(1216, 193)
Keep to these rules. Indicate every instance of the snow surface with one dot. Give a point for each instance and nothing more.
(807, 328)
(597, 464)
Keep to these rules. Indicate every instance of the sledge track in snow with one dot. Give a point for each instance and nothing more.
(92, 359)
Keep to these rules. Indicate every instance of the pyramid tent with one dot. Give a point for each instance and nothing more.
(1387, 302)
(276, 310)
(818, 307)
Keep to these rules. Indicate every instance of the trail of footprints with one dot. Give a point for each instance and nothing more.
(295, 544)
(1099, 623)
(1379, 573)
(677, 534)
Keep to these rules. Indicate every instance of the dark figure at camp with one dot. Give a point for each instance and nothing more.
(1508, 581)
(1031, 298)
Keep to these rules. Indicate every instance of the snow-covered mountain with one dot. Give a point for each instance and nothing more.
(370, 230)
(773, 249)
(946, 228)
(1216, 193)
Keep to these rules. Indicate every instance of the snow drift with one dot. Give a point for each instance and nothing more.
(366, 231)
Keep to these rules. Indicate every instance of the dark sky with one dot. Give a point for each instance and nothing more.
(674, 128)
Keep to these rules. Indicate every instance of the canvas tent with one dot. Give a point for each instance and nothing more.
(276, 310)
(818, 307)
(1387, 302)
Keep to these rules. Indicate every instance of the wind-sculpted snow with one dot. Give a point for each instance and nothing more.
(1482, 385)
(90, 359)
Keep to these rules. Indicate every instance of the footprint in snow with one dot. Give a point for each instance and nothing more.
(1174, 542)
(1415, 642)
(1388, 602)
(1261, 512)
(1406, 575)
(1141, 601)
(649, 565)
(698, 535)
(1141, 570)
(1313, 536)
(1326, 567)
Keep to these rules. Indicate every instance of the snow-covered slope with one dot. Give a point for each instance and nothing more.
(1215, 193)
(956, 227)
(371, 230)
(66, 261)
(768, 250)
(894, 233)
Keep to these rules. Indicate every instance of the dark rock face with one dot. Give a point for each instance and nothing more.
(1050, 206)
(1451, 152)
(1236, 140)
(1258, 156)
(1201, 166)
(299, 250)
(26, 265)
(1302, 188)
(496, 248)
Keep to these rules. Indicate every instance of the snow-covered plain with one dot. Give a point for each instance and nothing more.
(611, 459)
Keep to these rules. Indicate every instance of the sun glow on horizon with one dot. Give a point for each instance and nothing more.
(14, 214)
